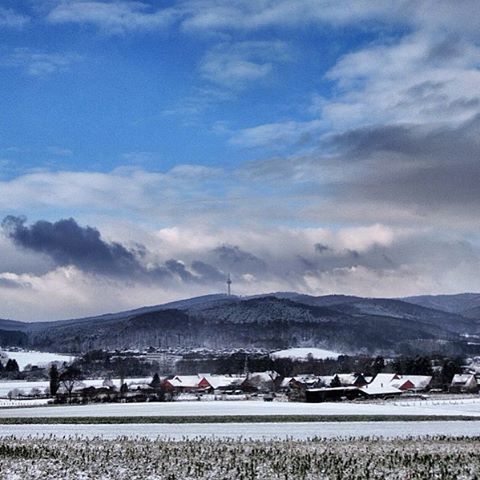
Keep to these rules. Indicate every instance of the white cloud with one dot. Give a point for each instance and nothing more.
(247, 15)
(422, 78)
(181, 193)
(120, 16)
(37, 63)
(9, 18)
(235, 65)
(280, 134)
(373, 260)
(113, 17)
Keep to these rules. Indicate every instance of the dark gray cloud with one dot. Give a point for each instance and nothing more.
(412, 165)
(178, 268)
(437, 143)
(208, 272)
(67, 243)
(233, 258)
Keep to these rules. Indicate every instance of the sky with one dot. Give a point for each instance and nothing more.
(149, 149)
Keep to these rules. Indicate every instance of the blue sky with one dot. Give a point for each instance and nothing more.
(100, 94)
(313, 145)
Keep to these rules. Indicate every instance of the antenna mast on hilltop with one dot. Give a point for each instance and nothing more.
(229, 283)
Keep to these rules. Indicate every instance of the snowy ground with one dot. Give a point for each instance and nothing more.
(261, 431)
(303, 353)
(36, 358)
(8, 385)
(466, 407)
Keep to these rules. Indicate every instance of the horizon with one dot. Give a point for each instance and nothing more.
(148, 150)
(241, 297)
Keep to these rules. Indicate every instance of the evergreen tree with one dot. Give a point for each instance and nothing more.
(378, 365)
(54, 380)
(449, 368)
(156, 383)
(12, 366)
(335, 382)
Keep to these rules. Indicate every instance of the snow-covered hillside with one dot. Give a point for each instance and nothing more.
(304, 353)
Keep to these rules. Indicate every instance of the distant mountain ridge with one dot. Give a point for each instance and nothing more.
(459, 303)
(272, 321)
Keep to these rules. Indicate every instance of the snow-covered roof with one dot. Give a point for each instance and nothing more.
(397, 381)
(326, 379)
(332, 389)
(185, 381)
(418, 381)
(386, 389)
(263, 376)
(383, 379)
(347, 378)
(462, 379)
(286, 382)
(218, 381)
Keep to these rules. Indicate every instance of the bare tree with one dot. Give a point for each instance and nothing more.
(69, 378)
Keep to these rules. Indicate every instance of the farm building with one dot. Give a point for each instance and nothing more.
(401, 382)
(260, 382)
(464, 383)
(335, 394)
(182, 383)
(417, 383)
(331, 394)
(349, 379)
(379, 391)
(211, 383)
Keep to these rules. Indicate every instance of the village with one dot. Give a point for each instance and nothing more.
(103, 377)
(268, 386)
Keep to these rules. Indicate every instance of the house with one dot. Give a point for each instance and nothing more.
(382, 386)
(416, 383)
(212, 383)
(404, 383)
(349, 379)
(260, 382)
(379, 391)
(182, 383)
(464, 383)
(288, 383)
(383, 379)
(321, 381)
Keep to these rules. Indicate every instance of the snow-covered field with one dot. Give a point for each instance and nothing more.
(260, 431)
(465, 407)
(303, 353)
(36, 358)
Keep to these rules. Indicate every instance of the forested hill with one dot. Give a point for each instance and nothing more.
(343, 323)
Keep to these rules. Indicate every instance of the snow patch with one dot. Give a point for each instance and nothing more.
(303, 353)
(36, 358)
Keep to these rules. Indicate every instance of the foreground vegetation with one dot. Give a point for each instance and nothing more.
(356, 459)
